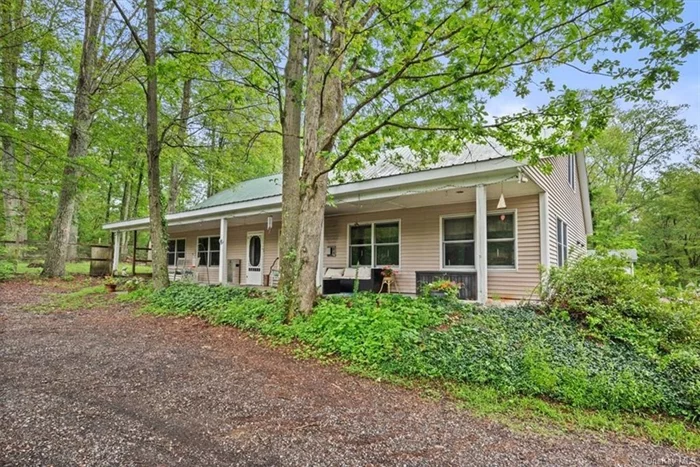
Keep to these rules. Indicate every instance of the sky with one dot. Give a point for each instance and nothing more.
(685, 91)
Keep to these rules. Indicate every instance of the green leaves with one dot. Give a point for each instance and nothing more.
(525, 349)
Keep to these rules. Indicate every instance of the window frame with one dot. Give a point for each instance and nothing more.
(562, 242)
(184, 251)
(209, 250)
(514, 239)
(489, 268)
(442, 242)
(571, 171)
(372, 244)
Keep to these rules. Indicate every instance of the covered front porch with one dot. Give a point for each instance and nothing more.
(424, 225)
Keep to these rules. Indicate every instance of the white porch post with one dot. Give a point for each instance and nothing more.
(223, 243)
(480, 240)
(321, 250)
(116, 252)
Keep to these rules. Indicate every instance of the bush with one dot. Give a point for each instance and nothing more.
(641, 310)
(6, 270)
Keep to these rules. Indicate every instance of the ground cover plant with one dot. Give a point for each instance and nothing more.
(601, 339)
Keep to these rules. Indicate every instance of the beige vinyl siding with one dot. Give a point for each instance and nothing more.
(419, 239)
(564, 202)
(421, 243)
(236, 248)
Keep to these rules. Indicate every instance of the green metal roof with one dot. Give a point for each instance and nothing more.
(262, 187)
(392, 163)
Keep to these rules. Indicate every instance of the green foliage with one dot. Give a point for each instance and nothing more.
(6, 270)
(445, 286)
(368, 328)
(523, 350)
(7, 267)
(610, 303)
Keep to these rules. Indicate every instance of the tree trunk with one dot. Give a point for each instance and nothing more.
(322, 113)
(158, 228)
(78, 141)
(175, 175)
(291, 157)
(108, 204)
(11, 42)
(73, 237)
(124, 211)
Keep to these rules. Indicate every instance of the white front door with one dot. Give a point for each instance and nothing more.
(254, 258)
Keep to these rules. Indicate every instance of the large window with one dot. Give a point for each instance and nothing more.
(571, 171)
(375, 244)
(500, 239)
(562, 242)
(176, 249)
(208, 251)
(458, 242)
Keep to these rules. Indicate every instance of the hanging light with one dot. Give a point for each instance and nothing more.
(269, 223)
(502, 200)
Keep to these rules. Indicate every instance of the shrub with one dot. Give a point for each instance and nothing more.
(641, 310)
(7, 267)
(368, 328)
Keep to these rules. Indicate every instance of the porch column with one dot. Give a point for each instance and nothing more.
(223, 243)
(480, 240)
(321, 251)
(116, 244)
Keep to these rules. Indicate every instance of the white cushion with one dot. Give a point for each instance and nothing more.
(349, 273)
(364, 273)
(333, 273)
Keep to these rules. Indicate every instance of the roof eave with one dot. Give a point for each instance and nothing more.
(387, 183)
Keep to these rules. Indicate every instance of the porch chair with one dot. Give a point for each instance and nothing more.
(179, 269)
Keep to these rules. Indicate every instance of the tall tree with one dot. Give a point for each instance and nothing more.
(624, 162)
(12, 24)
(78, 141)
(669, 223)
(389, 73)
(157, 225)
(291, 142)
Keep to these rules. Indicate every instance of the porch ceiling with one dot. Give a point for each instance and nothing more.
(452, 195)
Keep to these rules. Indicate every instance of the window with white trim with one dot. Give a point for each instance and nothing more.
(176, 249)
(500, 240)
(375, 244)
(208, 251)
(562, 242)
(571, 171)
(458, 242)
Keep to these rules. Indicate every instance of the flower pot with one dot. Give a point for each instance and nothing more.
(111, 287)
(438, 293)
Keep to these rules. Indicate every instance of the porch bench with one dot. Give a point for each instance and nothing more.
(339, 280)
(465, 280)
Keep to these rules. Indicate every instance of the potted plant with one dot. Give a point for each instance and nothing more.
(443, 288)
(111, 283)
(388, 271)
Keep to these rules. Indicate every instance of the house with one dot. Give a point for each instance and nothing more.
(442, 220)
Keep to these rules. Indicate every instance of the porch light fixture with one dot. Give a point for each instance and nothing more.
(269, 223)
(502, 200)
(522, 178)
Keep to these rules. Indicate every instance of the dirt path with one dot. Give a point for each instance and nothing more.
(106, 387)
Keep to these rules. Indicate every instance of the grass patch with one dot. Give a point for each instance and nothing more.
(81, 268)
(83, 298)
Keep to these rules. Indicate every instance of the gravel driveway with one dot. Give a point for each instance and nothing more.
(106, 387)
